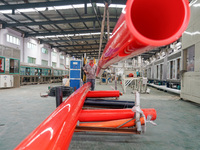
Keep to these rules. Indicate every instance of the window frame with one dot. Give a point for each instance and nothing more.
(31, 58)
(46, 50)
(4, 65)
(18, 65)
(12, 39)
(46, 61)
(31, 46)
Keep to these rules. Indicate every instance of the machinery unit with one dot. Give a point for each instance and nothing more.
(75, 73)
(166, 71)
(104, 78)
(37, 74)
(9, 67)
(6, 81)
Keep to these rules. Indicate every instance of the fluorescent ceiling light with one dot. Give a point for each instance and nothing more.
(83, 34)
(41, 8)
(97, 33)
(89, 5)
(6, 11)
(26, 10)
(111, 5)
(64, 7)
(100, 4)
(117, 6)
(40, 37)
(70, 35)
(60, 35)
(78, 6)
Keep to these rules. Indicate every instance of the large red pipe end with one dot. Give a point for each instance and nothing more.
(145, 25)
(157, 22)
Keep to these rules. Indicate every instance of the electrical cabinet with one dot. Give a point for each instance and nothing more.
(6, 81)
(75, 73)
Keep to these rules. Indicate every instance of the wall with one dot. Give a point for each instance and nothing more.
(35, 53)
(4, 32)
(45, 56)
(191, 80)
(25, 52)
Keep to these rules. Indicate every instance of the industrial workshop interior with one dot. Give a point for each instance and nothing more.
(99, 74)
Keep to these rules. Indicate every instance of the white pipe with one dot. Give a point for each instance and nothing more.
(166, 88)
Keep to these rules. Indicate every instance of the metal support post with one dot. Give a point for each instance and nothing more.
(59, 96)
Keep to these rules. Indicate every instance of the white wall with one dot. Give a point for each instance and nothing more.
(45, 56)
(3, 41)
(191, 80)
(30, 52)
(26, 52)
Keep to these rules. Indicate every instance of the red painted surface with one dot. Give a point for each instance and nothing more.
(145, 25)
(96, 94)
(56, 131)
(114, 123)
(93, 115)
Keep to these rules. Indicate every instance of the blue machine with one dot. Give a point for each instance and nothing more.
(75, 73)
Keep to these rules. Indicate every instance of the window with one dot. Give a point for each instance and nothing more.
(12, 39)
(62, 66)
(27, 71)
(55, 72)
(171, 69)
(49, 72)
(161, 71)
(31, 60)
(8, 37)
(14, 66)
(178, 68)
(190, 58)
(22, 70)
(54, 54)
(44, 51)
(54, 64)
(157, 72)
(32, 71)
(61, 57)
(44, 62)
(31, 46)
(168, 70)
(67, 60)
(2, 65)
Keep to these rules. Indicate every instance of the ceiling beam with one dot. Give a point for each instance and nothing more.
(54, 3)
(72, 40)
(61, 33)
(94, 53)
(83, 49)
(40, 4)
(77, 45)
(55, 22)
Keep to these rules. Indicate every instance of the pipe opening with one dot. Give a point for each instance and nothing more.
(157, 19)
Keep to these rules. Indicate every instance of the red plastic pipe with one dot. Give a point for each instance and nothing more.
(56, 131)
(130, 122)
(93, 115)
(96, 94)
(143, 26)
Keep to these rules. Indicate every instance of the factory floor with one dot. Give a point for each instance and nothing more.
(178, 122)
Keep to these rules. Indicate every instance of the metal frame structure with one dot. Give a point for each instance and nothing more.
(52, 23)
(65, 29)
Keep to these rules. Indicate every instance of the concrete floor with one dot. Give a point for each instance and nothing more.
(22, 109)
